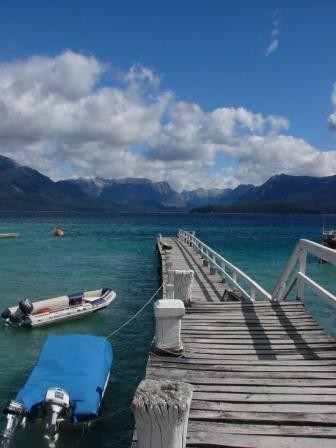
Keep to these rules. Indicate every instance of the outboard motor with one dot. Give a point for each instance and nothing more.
(56, 403)
(16, 418)
(26, 307)
(6, 314)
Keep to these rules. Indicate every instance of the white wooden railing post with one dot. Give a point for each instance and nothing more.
(170, 285)
(161, 411)
(168, 316)
(302, 269)
(169, 291)
(169, 265)
(192, 239)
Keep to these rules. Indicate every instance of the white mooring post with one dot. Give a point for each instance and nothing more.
(168, 316)
(183, 280)
(161, 411)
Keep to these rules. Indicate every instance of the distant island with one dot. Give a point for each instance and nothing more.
(23, 188)
(265, 208)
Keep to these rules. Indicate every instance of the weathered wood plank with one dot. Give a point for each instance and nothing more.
(242, 368)
(264, 398)
(206, 359)
(209, 438)
(167, 373)
(321, 409)
(194, 378)
(260, 389)
(257, 417)
(260, 429)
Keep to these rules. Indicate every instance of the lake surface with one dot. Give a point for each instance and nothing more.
(118, 251)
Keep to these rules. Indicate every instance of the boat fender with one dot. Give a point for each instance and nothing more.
(6, 314)
(26, 322)
(26, 307)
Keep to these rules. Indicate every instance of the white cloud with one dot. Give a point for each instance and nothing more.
(274, 43)
(63, 116)
(332, 117)
(192, 134)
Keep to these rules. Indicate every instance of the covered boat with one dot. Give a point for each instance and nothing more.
(67, 384)
(44, 312)
(329, 238)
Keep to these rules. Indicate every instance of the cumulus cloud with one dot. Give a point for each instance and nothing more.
(274, 40)
(58, 99)
(67, 117)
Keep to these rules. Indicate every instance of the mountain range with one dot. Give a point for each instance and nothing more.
(23, 188)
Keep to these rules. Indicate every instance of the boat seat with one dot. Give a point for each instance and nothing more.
(75, 298)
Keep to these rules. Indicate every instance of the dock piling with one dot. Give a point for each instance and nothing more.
(168, 315)
(161, 411)
(183, 280)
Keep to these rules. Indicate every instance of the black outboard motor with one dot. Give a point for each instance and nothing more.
(16, 418)
(6, 314)
(26, 307)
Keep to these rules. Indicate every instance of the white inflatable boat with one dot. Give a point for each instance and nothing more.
(44, 312)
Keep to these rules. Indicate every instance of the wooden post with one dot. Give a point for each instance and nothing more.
(169, 265)
(212, 270)
(205, 263)
(161, 411)
(168, 316)
(183, 281)
(302, 268)
(169, 291)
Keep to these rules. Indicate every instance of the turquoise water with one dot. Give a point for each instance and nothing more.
(119, 251)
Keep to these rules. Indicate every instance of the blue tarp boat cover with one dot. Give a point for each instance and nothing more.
(79, 364)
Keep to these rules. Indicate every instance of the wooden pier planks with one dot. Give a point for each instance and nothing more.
(263, 374)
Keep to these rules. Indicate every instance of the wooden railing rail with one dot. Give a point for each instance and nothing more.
(293, 276)
(233, 275)
(294, 272)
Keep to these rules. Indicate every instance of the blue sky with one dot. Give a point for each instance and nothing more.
(209, 93)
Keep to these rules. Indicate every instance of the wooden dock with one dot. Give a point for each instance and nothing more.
(263, 373)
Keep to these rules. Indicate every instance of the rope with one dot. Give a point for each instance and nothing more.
(110, 414)
(181, 355)
(135, 315)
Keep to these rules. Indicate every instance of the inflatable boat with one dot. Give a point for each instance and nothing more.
(44, 312)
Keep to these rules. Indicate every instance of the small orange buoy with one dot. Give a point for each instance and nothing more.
(58, 232)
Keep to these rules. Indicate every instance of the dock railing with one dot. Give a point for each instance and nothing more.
(236, 278)
(293, 275)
